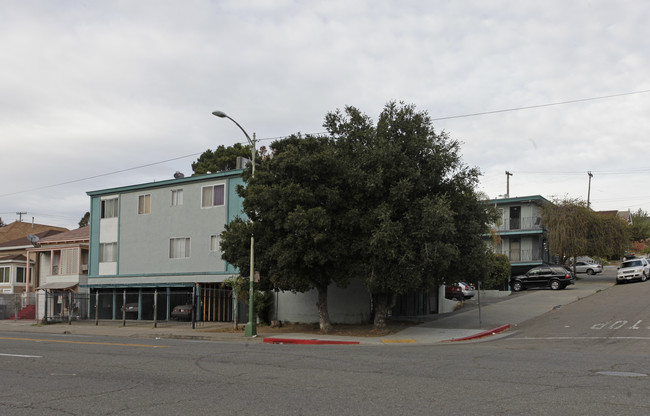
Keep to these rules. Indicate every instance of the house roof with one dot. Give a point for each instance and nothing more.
(536, 199)
(162, 184)
(74, 236)
(13, 258)
(17, 230)
(24, 242)
(624, 215)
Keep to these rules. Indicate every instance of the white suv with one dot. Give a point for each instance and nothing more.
(633, 269)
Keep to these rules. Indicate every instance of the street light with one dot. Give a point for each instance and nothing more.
(251, 329)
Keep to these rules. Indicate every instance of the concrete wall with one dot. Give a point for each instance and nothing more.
(349, 305)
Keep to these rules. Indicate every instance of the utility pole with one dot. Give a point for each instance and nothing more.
(589, 188)
(508, 175)
(20, 216)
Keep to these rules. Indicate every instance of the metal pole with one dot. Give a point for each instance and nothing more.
(97, 307)
(70, 308)
(508, 175)
(589, 188)
(155, 308)
(193, 312)
(251, 329)
(480, 318)
(124, 308)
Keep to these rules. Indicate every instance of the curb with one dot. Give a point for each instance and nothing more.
(306, 341)
(492, 331)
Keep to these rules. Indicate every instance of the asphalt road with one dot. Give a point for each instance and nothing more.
(589, 357)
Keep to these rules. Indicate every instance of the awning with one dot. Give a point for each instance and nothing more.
(58, 285)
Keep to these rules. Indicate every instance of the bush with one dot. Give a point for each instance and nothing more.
(498, 272)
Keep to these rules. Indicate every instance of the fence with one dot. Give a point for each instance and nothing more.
(17, 306)
(207, 303)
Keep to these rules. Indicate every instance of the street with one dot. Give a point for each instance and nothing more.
(588, 357)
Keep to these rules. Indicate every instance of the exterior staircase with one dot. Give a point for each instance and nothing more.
(28, 312)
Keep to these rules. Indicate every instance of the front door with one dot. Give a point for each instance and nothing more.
(515, 218)
(515, 250)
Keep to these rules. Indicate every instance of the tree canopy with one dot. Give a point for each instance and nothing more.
(222, 158)
(298, 204)
(419, 216)
(391, 203)
(575, 230)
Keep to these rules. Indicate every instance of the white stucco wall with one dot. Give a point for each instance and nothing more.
(349, 305)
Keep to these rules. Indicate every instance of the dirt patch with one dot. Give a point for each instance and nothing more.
(366, 330)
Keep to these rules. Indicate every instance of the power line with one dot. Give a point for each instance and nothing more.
(99, 176)
(540, 105)
(323, 133)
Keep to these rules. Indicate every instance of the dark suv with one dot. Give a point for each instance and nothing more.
(555, 277)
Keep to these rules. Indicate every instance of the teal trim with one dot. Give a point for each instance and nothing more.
(162, 184)
(113, 276)
(527, 263)
(135, 285)
(117, 255)
(93, 243)
(537, 199)
(520, 232)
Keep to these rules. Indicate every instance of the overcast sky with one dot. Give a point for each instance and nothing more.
(98, 94)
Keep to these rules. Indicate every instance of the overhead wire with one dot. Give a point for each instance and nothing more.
(321, 133)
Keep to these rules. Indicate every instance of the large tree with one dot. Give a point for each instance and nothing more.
(640, 228)
(222, 158)
(298, 204)
(419, 217)
(575, 230)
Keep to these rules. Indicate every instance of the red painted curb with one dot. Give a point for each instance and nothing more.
(482, 334)
(305, 341)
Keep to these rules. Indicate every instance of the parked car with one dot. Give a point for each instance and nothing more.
(182, 312)
(589, 268)
(635, 269)
(133, 308)
(460, 291)
(555, 277)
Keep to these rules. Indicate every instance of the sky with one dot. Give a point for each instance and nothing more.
(101, 94)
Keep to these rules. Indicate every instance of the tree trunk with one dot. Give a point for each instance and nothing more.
(383, 305)
(323, 314)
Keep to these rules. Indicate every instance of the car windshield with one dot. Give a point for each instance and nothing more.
(634, 263)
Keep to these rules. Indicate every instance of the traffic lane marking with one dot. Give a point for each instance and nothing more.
(83, 342)
(21, 356)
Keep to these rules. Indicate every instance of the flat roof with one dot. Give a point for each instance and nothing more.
(162, 184)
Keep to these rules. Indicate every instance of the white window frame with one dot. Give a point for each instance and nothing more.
(207, 195)
(214, 243)
(177, 197)
(144, 204)
(109, 208)
(5, 274)
(180, 248)
(108, 252)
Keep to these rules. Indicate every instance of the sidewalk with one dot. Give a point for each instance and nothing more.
(497, 316)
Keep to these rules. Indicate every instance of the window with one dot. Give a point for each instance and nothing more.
(109, 208)
(5, 273)
(177, 197)
(179, 248)
(20, 274)
(214, 243)
(144, 204)
(212, 196)
(108, 252)
(69, 260)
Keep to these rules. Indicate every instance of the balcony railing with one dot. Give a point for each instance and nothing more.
(523, 255)
(524, 223)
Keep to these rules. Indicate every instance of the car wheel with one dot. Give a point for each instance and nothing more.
(517, 286)
(643, 277)
(590, 272)
(555, 284)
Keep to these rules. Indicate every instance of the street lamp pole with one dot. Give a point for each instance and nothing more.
(251, 329)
